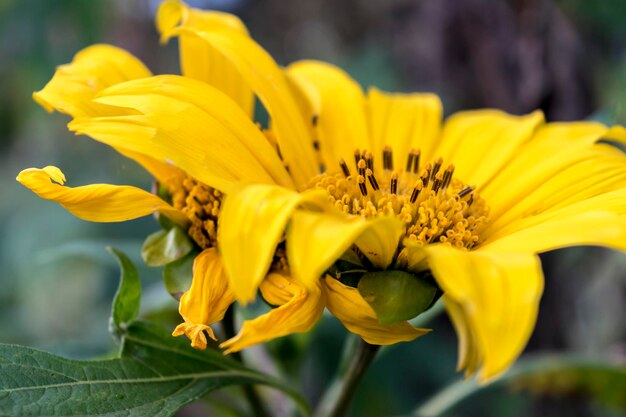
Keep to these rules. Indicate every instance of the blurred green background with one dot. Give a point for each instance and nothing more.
(566, 57)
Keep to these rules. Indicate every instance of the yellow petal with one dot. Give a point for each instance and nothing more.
(316, 240)
(494, 297)
(74, 86)
(94, 68)
(581, 229)
(404, 121)
(268, 82)
(469, 354)
(481, 142)
(191, 125)
(554, 148)
(162, 171)
(96, 202)
(352, 310)
(599, 172)
(252, 221)
(341, 122)
(206, 301)
(297, 312)
(198, 60)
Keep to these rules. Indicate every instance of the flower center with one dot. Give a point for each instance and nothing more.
(435, 206)
(201, 204)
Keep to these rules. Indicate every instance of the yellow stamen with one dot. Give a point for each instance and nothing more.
(436, 207)
(201, 204)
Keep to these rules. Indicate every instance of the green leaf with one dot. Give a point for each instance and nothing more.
(128, 296)
(599, 380)
(155, 376)
(396, 295)
(177, 275)
(165, 246)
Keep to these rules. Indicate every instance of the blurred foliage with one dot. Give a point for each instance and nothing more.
(567, 57)
(541, 375)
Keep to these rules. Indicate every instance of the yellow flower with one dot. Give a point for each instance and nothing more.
(372, 180)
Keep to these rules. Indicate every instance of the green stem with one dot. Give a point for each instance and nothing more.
(253, 397)
(336, 400)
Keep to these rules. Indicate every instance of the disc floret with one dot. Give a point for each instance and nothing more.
(435, 206)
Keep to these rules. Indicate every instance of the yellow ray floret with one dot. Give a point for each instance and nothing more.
(197, 59)
(297, 309)
(252, 222)
(402, 122)
(206, 301)
(75, 85)
(316, 240)
(96, 202)
(189, 124)
(494, 299)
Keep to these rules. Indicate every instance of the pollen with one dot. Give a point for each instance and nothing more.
(435, 206)
(201, 204)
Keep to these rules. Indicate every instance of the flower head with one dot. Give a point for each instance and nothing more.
(362, 202)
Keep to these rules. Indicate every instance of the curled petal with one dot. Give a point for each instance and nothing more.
(74, 86)
(493, 300)
(352, 310)
(206, 301)
(297, 312)
(96, 202)
(94, 68)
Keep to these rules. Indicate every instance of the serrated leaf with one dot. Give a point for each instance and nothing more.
(177, 275)
(155, 376)
(127, 298)
(165, 246)
(599, 380)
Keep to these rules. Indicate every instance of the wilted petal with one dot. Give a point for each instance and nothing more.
(297, 311)
(494, 300)
(206, 301)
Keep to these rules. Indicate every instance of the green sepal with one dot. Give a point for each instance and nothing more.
(127, 298)
(165, 246)
(396, 295)
(177, 275)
